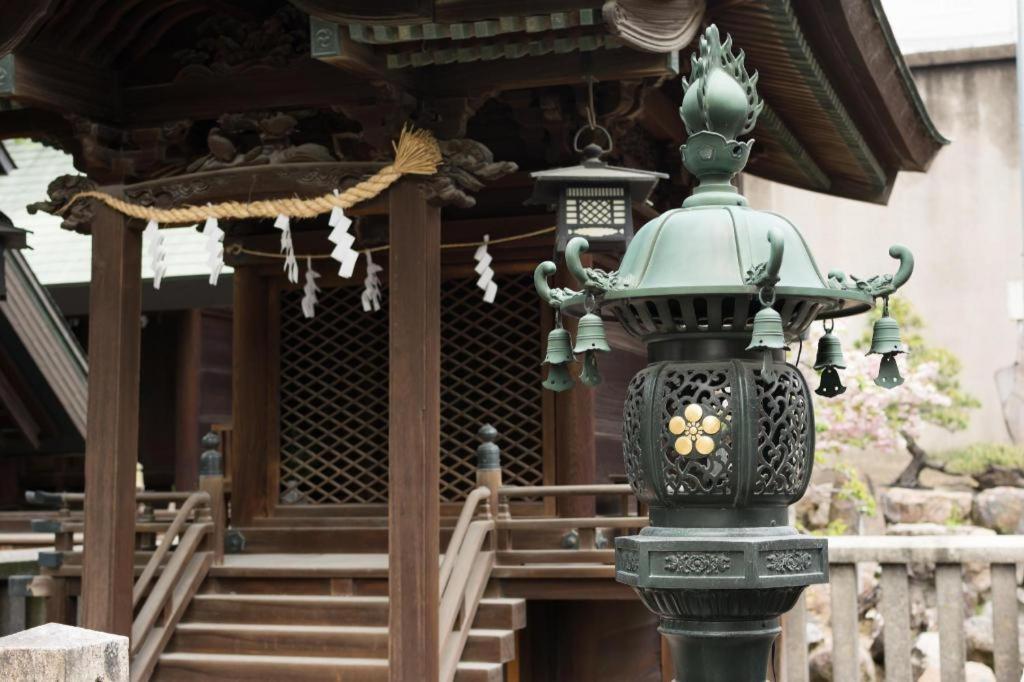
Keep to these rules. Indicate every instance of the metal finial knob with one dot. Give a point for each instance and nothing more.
(211, 462)
(488, 455)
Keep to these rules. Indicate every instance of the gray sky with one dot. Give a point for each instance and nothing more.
(930, 25)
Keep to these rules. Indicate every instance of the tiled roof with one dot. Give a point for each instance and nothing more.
(61, 257)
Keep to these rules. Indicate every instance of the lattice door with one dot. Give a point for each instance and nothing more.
(334, 383)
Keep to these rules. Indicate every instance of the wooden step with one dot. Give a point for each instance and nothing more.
(201, 667)
(284, 609)
(489, 646)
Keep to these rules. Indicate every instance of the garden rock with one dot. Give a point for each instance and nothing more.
(1001, 509)
(909, 505)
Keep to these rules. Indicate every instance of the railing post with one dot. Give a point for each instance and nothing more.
(488, 468)
(211, 481)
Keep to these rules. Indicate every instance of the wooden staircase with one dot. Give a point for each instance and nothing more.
(295, 629)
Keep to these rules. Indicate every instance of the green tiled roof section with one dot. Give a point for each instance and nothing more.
(385, 35)
(449, 52)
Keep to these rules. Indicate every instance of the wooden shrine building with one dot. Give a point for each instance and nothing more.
(353, 433)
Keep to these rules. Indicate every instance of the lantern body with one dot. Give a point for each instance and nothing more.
(594, 200)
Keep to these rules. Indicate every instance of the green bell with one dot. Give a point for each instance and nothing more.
(590, 335)
(559, 347)
(767, 336)
(889, 372)
(558, 379)
(830, 352)
(767, 333)
(589, 374)
(830, 385)
(885, 338)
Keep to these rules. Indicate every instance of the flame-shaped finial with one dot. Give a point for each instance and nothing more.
(719, 105)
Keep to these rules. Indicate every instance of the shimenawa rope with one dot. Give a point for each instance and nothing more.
(416, 153)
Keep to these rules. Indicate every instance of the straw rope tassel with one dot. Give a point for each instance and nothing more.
(416, 153)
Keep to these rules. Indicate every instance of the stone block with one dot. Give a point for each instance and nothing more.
(1001, 509)
(61, 653)
(910, 505)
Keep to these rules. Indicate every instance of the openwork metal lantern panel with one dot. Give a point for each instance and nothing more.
(714, 434)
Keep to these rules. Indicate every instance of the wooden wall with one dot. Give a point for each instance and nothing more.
(590, 641)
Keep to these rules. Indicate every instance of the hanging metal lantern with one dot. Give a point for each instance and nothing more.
(594, 200)
(828, 361)
(886, 341)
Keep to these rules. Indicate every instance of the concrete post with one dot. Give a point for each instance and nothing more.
(61, 653)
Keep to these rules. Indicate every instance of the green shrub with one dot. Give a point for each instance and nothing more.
(978, 458)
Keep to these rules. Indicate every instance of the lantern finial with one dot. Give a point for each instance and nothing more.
(719, 105)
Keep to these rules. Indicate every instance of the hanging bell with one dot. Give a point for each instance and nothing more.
(767, 336)
(886, 341)
(590, 335)
(889, 372)
(558, 356)
(589, 375)
(559, 347)
(558, 379)
(830, 352)
(885, 338)
(829, 360)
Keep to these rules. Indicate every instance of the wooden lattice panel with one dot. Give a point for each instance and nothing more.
(490, 372)
(334, 401)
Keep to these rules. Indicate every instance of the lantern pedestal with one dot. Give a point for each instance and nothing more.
(719, 592)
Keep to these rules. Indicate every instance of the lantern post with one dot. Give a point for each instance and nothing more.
(718, 429)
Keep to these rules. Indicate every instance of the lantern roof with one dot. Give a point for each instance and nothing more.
(593, 171)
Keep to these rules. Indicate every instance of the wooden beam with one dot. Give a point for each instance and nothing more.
(305, 84)
(414, 438)
(112, 429)
(536, 72)
(35, 78)
(250, 378)
(186, 413)
(331, 44)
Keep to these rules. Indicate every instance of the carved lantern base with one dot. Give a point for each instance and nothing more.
(719, 593)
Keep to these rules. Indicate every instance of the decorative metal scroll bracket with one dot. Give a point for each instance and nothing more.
(879, 286)
(553, 297)
(594, 280)
(766, 273)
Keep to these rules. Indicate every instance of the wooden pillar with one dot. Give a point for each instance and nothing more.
(414, 439)
(186, 450)
(575, 427)
(112, 430)
(251, 396)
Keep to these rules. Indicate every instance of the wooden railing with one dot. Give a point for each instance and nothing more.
(849, 554)
(464, 573)
(158, 609)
